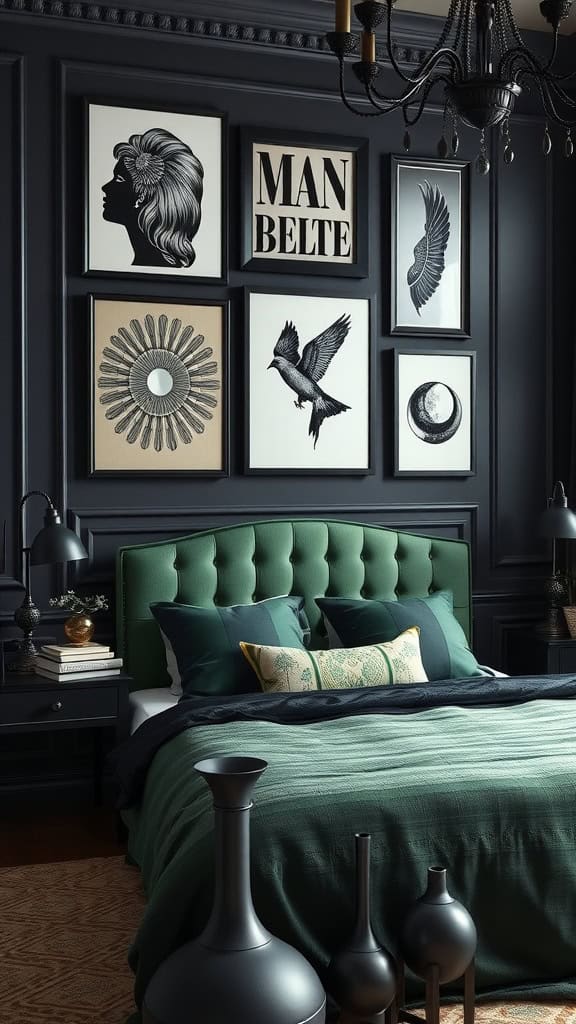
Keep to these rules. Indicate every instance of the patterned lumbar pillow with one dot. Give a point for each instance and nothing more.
(288, 670)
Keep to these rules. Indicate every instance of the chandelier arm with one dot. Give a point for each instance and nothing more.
(380, 108)
(428, 63)
(513, 56)
(561, 94)
(554, 52)
(411, 121)
(393, 102)
(547, 101)
(349, 106)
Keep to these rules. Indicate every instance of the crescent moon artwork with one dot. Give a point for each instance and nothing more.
(434, 412)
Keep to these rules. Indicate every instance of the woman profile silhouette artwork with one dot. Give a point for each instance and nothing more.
(155, 192)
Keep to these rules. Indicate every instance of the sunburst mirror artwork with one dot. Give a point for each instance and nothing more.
(430, 247)
(159, 386)
(435, 413)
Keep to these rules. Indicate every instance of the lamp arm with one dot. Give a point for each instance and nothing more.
(21, 546)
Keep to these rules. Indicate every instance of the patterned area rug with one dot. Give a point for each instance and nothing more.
(64, 934)
(514, 1013)
(65, 930)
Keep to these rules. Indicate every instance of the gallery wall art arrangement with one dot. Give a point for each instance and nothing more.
(157, 380)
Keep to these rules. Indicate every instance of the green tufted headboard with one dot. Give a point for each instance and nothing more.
(308, 557)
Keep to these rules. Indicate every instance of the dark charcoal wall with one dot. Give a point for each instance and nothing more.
(520, 297)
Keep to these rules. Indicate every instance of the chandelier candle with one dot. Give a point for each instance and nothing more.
(479, 65)
(368, 47)
(343, 15)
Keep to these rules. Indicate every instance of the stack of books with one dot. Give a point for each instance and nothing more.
(68, 663)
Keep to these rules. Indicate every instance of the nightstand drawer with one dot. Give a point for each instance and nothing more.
(53, 706)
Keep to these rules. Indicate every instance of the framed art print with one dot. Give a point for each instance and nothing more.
(304, 203)
(430, 266)
(159, 386)
(155, 192)
(309, 383)
(435, 414)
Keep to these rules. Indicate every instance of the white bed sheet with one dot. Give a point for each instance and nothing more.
(146, 703)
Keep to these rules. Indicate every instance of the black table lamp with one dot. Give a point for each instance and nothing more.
(53, 543)
(558, 522)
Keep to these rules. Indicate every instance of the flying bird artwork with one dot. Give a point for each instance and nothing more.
(429, 254)
(302, 374)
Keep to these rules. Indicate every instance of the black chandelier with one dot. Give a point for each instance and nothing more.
(481, 61)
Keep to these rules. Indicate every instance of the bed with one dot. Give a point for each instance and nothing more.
(478, 774)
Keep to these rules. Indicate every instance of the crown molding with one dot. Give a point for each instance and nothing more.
(298, 25)
(301, 26)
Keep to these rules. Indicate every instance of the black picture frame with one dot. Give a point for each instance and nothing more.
(224, 304)
(437, 169)
(359, 267)
(423, 354)
(371, 395)
(144, 275)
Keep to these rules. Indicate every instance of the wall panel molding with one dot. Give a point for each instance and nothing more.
(17, 290)
(102, 530)
(499, 558)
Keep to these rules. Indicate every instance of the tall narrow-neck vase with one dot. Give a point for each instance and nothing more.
(235, 971)
(361, 975)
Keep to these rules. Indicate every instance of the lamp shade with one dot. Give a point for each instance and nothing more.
(56, 543)
(558, 521)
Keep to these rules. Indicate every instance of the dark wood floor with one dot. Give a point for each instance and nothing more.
(39, 834)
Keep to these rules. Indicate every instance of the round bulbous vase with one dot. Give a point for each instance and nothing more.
(438, 931)
(361, 976)
(235, 970)
(79, 628)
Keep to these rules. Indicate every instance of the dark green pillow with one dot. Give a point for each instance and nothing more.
(205, 642)
(445, 650)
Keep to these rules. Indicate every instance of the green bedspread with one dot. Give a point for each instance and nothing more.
(488, 792)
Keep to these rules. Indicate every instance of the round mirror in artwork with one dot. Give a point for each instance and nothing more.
(434, 412)
(160, 382)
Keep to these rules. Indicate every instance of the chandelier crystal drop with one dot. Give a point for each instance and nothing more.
(480, 61)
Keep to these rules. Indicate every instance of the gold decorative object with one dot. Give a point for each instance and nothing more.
(570, 616)
(79, 629)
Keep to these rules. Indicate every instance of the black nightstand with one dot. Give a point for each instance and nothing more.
(538, 655)
(30, 703)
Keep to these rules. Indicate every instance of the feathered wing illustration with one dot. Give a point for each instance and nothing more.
(287, 344)
(319, 352)
(316, 359)
(429, 254)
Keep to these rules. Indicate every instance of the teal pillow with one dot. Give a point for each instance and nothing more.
(205, 642)
(445, 650)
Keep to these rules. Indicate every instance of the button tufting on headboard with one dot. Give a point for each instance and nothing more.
(254, 561)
